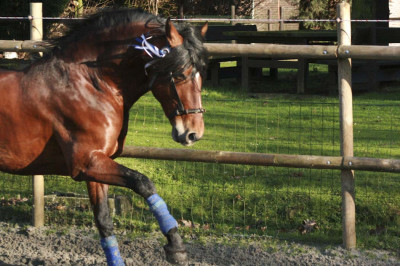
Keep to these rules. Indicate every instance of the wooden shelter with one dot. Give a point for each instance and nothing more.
(370, 74)
(275, 9)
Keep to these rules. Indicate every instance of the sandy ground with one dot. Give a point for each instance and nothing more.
(24, 245)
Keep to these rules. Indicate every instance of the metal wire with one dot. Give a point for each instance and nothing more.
(223, 20)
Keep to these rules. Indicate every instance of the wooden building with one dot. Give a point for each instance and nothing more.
(394, 13)
(275, 9)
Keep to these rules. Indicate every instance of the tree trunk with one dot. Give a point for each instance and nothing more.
(180, 11)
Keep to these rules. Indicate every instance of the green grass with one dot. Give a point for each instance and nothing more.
(235, 199)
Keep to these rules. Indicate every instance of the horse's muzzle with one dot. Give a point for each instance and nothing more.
(187, 138)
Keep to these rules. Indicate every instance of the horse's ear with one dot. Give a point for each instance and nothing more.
(173, 36)
(204, 29)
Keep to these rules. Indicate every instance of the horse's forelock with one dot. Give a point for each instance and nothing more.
(191, 54)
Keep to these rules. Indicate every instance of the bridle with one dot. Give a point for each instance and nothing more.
(153, 51)
(180, 108)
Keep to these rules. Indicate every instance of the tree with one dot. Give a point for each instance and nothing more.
(317, 9)
(216, 7)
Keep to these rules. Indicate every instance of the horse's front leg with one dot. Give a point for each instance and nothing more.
(103, 170)
(98, 199)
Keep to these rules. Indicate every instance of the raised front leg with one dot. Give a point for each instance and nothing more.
(174, 250)
(104, 170)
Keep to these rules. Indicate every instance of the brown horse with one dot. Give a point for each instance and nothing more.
(67, 113)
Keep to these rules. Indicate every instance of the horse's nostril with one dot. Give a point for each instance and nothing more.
(192, 136)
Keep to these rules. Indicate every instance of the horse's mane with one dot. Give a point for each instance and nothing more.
(191, 54)
(104, 19)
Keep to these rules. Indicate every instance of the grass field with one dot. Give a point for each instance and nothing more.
(236, 199)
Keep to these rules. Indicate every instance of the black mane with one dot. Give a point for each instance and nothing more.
(104, 19)
(191, 54)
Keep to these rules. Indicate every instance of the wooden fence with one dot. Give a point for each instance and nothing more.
(265, 159)
(343, 52)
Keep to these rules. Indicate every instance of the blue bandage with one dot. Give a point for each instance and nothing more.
(110, 247)
(159, 208)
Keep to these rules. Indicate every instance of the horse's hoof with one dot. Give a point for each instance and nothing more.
(174, 256)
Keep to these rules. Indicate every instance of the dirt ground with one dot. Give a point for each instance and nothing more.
(24, 245)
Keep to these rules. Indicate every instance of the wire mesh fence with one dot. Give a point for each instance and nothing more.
(241, 199)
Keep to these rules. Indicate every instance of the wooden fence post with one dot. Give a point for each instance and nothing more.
(233, 14)
(346, 128)
(245, 74)
(37, 180)
(281, 17)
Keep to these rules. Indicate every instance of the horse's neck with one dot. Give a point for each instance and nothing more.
(130, 80)
(106, 59)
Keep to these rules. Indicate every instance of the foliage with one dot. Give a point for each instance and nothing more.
(317, 9)
(19, 30)
(168, 8)
(69, 8)
(162, 7)
(217, 8)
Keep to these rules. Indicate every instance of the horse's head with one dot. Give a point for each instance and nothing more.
(130, 50)
(176, 81)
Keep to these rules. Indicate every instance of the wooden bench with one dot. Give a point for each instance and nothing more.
(301, 65)
(369, 74)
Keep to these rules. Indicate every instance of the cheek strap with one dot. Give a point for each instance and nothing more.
(180, 108)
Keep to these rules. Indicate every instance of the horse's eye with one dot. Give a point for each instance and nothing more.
(180, 78)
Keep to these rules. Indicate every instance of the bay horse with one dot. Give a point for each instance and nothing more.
(68, 113)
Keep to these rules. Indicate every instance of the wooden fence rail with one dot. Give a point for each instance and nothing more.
(327, 52)
(264, 159)
(24, 46)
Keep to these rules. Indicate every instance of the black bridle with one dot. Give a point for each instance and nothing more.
(153, 51)
(180, 108)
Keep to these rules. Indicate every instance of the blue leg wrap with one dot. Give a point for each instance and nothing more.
(110, 247)
(159, 208)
